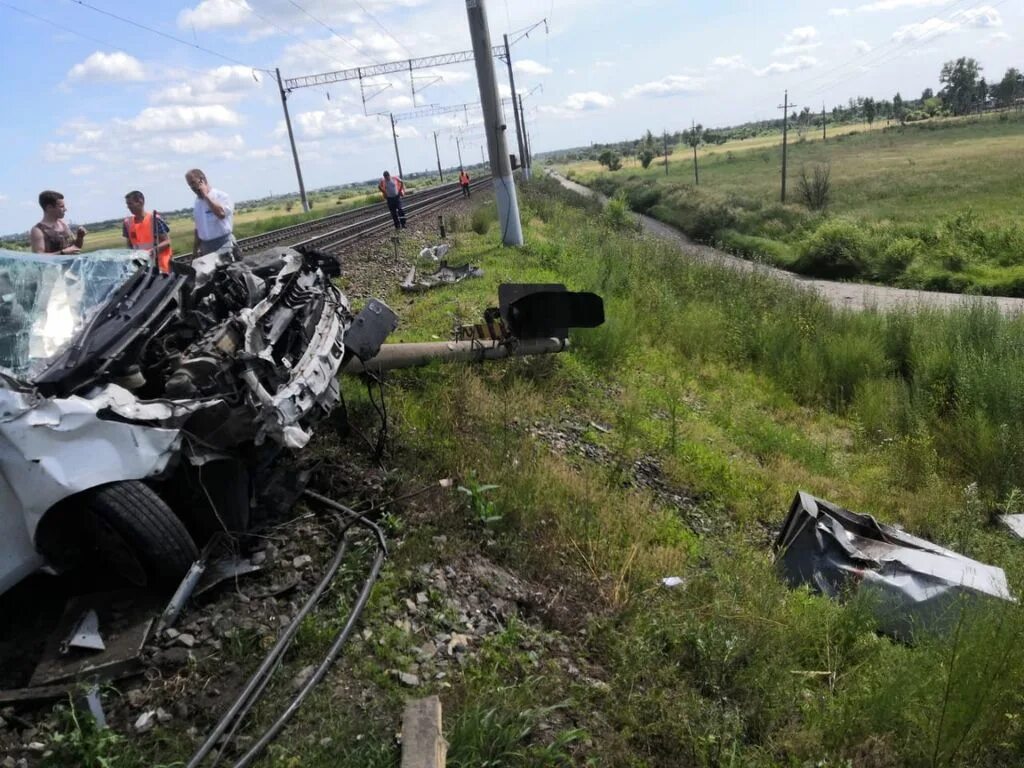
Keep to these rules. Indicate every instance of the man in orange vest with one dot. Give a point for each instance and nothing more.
(464, 182)
(392, 188)
(147, 231)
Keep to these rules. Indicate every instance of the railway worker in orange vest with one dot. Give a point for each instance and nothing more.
(392, 188)
(147, 231)
(464, 182)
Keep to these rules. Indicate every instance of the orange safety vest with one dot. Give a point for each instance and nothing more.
(140, 237)
(399, 186)
(464, 178)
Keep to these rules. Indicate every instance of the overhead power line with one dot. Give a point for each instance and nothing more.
(77, 33)
(167, 36)
(386, 30)
(333, 31)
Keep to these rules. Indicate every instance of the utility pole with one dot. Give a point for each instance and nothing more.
(693, 136)
(459, 150)
(483, 160)
(516, 110)
(527, 158)
(664, 136)
(291, 138)
(394, 136)
(437, 152)
(497, 148)
(785, 107)
(823, 121)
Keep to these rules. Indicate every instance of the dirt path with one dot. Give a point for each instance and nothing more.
(855, 296)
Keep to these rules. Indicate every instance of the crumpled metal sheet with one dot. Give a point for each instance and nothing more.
(56, 447)
(917, 585)
(444, 275)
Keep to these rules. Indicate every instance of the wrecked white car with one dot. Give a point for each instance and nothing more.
(126, 393)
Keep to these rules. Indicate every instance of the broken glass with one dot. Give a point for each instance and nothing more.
(45, 299)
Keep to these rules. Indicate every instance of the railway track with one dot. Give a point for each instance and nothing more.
(339, 229)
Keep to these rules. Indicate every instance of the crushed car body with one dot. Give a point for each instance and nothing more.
(142, 412)
(915, 585)
(115, 372)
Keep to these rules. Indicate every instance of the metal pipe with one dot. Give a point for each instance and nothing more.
(394, 356)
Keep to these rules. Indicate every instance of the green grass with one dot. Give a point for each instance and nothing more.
(946, 190)
(740, 391)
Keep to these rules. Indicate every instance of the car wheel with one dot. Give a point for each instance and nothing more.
(138, 535)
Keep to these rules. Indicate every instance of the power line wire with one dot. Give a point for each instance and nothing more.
(386, 30)
(178, 40)
(77, 33)
(334, 32)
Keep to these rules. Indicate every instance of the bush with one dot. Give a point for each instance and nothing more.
(643, 197)
(896, 257)
(815, 190)
(482, 219)
(836, 249)
(617, 213)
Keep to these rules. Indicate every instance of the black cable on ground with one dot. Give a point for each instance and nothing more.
(257, 683)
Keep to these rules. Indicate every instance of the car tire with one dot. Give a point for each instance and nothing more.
(143, 523)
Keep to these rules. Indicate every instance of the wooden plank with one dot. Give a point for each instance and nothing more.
(423, 746)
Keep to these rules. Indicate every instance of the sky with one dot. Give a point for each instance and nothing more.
(98, 107)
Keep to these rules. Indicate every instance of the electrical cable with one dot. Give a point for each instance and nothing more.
(386, 31)
(334, 32)
(90, 38)
(178, 40)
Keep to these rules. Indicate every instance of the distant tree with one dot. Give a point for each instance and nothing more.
(646, 157)
(898, 111)
(1007, 90)
(932, 106)
(926, 94)
(870, 110)
(610, 160)
(961, 85)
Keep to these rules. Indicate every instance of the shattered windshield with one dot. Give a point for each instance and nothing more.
(46, 299)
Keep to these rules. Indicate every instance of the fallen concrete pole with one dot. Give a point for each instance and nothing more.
(393, 356)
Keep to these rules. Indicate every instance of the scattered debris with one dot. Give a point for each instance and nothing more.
(673, 581)
(1015, 523)
(86, 634)
(301, 561)
(917, 585)
(435, 252)
(444, 275)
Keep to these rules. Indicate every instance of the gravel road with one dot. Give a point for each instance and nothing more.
(855, 296)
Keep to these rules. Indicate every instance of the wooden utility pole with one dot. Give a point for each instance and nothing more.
(394, 136)
(823, 121)
(437, 152)
(785, 107)
(664, 136)
(459, 150)
(516, 111)
(693, 139)
(527, 159)
(490, 103)
(291, 138)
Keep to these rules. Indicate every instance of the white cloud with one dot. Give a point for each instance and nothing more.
(531, 67)
(603, 64)
(779, 67)
(789, 50)
(105, 67)
(335, 122)
(983, 16)
(801, 36)
(216, 86)
(862, 46)
(4, 198)
(671, 85)
(264, 153)
(729, 62)
(587, 101)
(838, 11)
(998, 37)
(203, 143)
(176, 118)
(82, 170)
(210, 14)
(570, 72)
(895, 5)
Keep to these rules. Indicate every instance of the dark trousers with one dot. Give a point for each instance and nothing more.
(465, 190)
(397, 212)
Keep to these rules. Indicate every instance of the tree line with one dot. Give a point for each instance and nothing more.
(964, 90)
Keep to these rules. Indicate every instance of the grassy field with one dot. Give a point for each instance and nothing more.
(933, 204)
(248, 221)
(732, 392)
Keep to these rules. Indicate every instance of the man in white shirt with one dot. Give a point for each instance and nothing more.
(213, 214)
